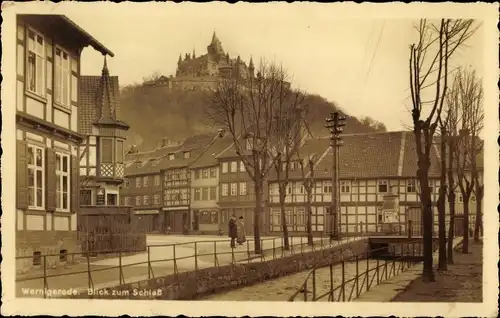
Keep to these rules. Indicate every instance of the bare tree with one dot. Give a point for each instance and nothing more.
(442, 263)
(467, 99)
(246, 107)
(307, 173)
(286, 140)
(440, 39)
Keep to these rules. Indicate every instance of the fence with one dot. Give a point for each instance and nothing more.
(189, 256)
(382, 271)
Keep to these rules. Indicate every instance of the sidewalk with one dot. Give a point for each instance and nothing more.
(409, 287)
(462, 282)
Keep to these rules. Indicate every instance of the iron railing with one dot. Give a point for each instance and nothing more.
(188, 256)
(372, 269)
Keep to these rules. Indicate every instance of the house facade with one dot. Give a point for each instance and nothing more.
(205, 191)
(372, 167)
(237, 191)
(47, 103)
(101, 151)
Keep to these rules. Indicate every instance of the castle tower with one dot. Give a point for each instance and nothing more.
(215, 47)
(251, 68)
(194, 54)
(180, 59)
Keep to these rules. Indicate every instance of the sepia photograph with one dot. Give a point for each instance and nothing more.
(250, 159)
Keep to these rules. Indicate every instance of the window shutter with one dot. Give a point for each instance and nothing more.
(50, 180)
(75, 184)
(22, 175)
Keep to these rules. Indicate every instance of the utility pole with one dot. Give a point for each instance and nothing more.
(335, 123)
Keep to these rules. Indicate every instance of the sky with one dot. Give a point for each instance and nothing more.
(357, 61)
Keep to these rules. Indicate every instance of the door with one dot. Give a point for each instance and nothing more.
(414, 214)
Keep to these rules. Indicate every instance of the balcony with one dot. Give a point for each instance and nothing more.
(112, 172)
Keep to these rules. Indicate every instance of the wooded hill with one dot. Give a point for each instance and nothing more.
(154, 113)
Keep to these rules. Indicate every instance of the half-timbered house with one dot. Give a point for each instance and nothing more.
(101, 152)
(49, 48)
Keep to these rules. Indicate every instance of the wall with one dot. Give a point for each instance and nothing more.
(189, 285)
(46, 242)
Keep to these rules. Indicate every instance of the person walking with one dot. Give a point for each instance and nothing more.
(233, 231)
(240, 226)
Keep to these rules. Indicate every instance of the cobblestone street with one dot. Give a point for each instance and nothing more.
(462, 282)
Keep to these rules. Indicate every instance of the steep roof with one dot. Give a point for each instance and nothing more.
(99, 102)
(369, 155)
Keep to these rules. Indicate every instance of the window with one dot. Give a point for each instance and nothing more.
(137, 200)
(171, 156)
(234, 188)
(205, 174)
(62, 182)
(197, 174)
(383, 186)
(234, 167)
(345, 187)
(127, 183)
(127, 201)
(145, 181)
(119, 151)
(289, 189)
(213, 193)
(37, 258)
(157, 181)
(138, 182)
(187, 154)
(204, 194)
(85, 197)
(410, 186)
(197, 196)
(106, 151)
(224, 167)
(111, 199)
(213, 172)
(156, 199)
(242, 166)
(327, 187)
(243, 188)
(61, 78)
(146, 200)
(36, 179)
(224, 190)
(35, 70)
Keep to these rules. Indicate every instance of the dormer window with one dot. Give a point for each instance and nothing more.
(187, 154)
(249, 144)
(171, 156)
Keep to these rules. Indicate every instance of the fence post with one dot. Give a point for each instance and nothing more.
(215, 253)
(314, 285)
(196, 256)
(305, 290)
(175, 260)
(378, 271)
(343, 281)
(357, 276)
(262, 258)
(149, 263)
(248, 251)
(367, 273)
(232, 255)
(45, 276)
(120, 265)
(88, 270)
(331, 283)
(274, 248)
(394, 261)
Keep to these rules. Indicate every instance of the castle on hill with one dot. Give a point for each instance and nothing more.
(203, 72)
